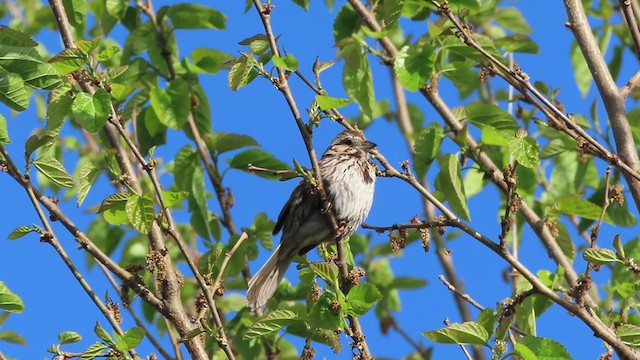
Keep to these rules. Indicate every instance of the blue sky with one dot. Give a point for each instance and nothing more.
(55, 302)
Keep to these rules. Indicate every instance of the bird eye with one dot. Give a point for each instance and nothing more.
(348, 141)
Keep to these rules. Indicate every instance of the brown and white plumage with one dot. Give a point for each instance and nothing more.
(349, 180)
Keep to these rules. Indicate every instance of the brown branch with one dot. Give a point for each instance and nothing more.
(461, 294)
(632, 24)
(631, 85)
(611, 96)
(227, 258)
(283, 86)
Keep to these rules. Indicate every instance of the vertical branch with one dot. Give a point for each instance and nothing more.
(632, 23)
(613, 101)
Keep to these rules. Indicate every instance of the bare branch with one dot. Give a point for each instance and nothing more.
(632, 24)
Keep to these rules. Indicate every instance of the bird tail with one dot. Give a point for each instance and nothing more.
(265, 282)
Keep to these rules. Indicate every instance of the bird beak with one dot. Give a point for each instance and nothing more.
(369, 145)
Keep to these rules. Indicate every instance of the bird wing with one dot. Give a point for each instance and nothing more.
(302, 205)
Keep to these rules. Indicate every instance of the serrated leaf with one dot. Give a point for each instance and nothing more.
(451, 182)
(173, 198)
(114, 200)
(470, 333)
(20, 232)
(288, 62)
(13, 92)
(600, 256)
(141, 213)
(426, 147)
(196, 16)
(271, 323)
(53, 170)
(239, 73)
(574, 205)
(323, 315)
(414, 65)
(361, 298)
(87, 175)
(629, 334)
(69, 337)
(108, 53)
(92, 112)
(525, 151)
(258, 158)
(68, 61)
(93, 351)
(534, 348)
(327, 102)
(221, 142)
(87, 46)
(9, 301)
(481, 114)
(328, 271)
(13, 37)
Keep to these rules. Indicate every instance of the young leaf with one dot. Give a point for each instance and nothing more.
(414, 65)
(358, 80)
(328, 271)
(600, 256)
(525, 150)
(325, 314)
(327, 102)
(172, 105)
(92, 111)
(4, 133)
(87, 175)
(133, 337)
(69, 337)
(258, 158)
(629, 334)
(426, 146)
(141, 213)
(481, 114)
(9, 301)
(239, 72)
(102, 333)
(20, 232)
(450, 179)
(530, 347)
(53, 170)
(584, 208)
(362, 298)
(93, 351)
(466, 333)
(114, 200)
(271, 323)
(13, 92)
(287, 62)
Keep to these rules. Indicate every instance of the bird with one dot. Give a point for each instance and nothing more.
(349, 179)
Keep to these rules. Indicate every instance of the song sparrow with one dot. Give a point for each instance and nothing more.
(349, 178)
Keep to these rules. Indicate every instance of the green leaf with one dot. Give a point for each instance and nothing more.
(13, 37)
(57, 111)
(426, 147)
(196, 16)
(525, 151)
(271, 323)
(4, 133)
(221, 142)
(13, 92)
(629, 334)
(113, 200)
(87, 175)
(511, 19)
(361, 298)
(69, 337)
(482, 114)
(93, 351)
(260, 158)
(92, 111)
(580, 70)
(133, 337)
(518, 43)
(534, 348)
(141, 213)
(407, 282)
(12, 337)
(68, 61)
(108, 53)
(53, 170)
(19, 232)
(303, 4)
(239, 73)
(327, 102)
(414, 65)
(323, 314)
(600, 256)
(258, 44)
(347, 23)
(574, 205)
(210, 60)
(173, 198)
(102, 333)
(450, 179)
(9, 301)
(358, 80)
(391, 11)
(287, 62)
(466, 333)
(87, 46)
(76, 11)
(172, 105)
(328, 271)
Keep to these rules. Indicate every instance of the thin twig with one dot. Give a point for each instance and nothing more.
(253, 168)
(227, 258)
(463, 296)
(464, 349)
(632, 24)
(631, 85)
